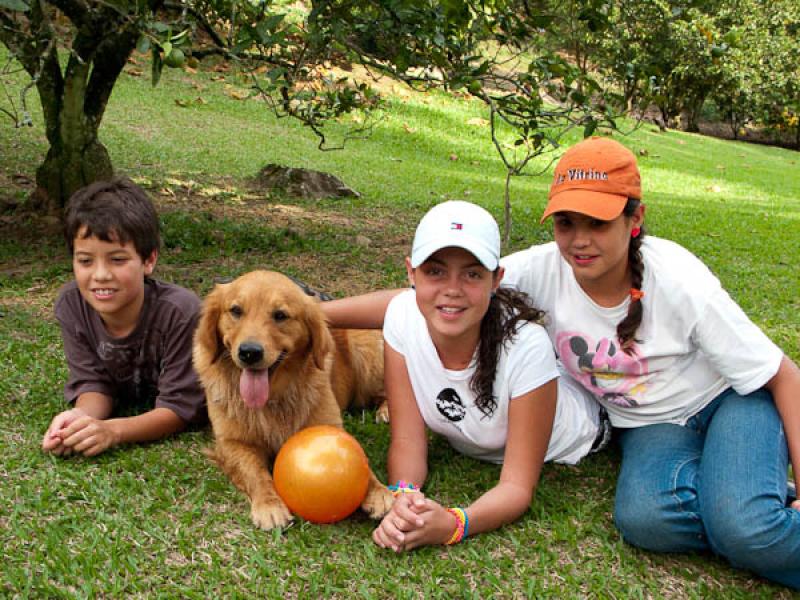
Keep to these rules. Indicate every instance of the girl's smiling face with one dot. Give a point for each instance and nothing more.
(453, 291)
(597, 251)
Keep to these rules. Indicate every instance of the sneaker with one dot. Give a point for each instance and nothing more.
(309, 291)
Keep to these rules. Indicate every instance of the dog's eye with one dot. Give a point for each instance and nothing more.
(236, 311)
(279, 316)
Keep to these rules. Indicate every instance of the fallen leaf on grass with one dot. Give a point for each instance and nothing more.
(714, 188)
(134, 72)
(408, 128)
(478, 122)
(454, 157)
(183, 103)
(239, 94)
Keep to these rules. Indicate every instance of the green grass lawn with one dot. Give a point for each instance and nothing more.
(159, 520)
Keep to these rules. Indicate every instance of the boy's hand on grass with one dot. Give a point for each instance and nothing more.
(74, 431)
(52, 441)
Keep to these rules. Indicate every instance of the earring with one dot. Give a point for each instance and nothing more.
(413, 287)
(635, 232)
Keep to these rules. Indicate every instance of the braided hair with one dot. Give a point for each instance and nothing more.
(626, 329)
(508, 310)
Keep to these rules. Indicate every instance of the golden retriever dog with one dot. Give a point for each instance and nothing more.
(270, 367)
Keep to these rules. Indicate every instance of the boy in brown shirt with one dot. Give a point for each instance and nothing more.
(127, 337)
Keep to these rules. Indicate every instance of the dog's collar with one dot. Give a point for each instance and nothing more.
(277, 363)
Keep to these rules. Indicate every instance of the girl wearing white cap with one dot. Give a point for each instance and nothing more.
(469, 361)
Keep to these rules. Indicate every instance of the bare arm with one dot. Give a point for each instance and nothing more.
(408, 449)
(359, 312)
(530, 423)
(86, 429)
(421, 521)
(785, 388)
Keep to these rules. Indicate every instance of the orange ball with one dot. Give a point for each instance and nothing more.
(322, 474)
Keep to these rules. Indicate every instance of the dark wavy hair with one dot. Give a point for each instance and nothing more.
(117, 210)
(508, 310)
(626, 329)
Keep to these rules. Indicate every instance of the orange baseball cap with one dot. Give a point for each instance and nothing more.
(595, 177)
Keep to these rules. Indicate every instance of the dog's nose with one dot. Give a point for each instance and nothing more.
(250, 353)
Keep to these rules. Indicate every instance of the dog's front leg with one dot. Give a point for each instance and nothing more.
(378, 500)
(246, 466)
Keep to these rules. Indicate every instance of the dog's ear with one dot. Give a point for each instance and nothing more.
(320, 341)
(207, 334)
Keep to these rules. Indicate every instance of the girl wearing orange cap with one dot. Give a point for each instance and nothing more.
(707, 408)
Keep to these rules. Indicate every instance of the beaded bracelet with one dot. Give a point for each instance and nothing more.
(402, 487)
(462, 525)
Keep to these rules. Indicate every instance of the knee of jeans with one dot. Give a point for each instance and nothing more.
(646, 525)
(757, 543)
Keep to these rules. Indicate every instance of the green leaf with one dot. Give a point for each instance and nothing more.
(18, 5)
(143, 45)
(590, 128)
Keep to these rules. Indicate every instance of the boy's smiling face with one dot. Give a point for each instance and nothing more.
(110, 277)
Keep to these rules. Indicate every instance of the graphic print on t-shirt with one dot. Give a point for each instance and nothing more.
(603, 368)
(450, 405)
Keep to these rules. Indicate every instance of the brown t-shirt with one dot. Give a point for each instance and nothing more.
(152, 366)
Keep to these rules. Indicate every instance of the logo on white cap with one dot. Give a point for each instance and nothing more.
(457, 224)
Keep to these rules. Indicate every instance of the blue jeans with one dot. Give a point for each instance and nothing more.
(718, 483)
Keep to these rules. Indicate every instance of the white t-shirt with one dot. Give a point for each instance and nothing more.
(695, 340)
(447, 404)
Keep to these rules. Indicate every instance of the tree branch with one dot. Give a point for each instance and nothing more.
(76, 10)
(201, 20)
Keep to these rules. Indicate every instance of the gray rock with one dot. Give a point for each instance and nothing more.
(302, 183)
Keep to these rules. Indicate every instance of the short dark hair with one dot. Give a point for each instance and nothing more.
(116, 210)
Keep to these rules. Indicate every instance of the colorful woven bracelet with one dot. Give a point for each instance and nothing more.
(462, 525)
(403, 487)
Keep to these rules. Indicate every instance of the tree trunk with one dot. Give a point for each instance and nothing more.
(73, 104)
(66, 169)
(73, 99)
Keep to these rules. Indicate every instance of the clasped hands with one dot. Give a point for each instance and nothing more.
(414, 521)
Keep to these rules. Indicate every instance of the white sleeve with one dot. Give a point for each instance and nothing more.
(515, 266)
(531, 361)
(740, 351)
(396, 320)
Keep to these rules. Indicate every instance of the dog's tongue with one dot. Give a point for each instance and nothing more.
(254, 387)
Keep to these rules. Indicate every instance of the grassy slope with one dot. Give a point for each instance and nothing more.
(160, 520)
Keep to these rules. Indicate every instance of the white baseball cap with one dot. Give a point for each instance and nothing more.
(457, 224)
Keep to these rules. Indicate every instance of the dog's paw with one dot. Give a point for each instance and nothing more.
(382, 413)
(378, 501)
(268, 515)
